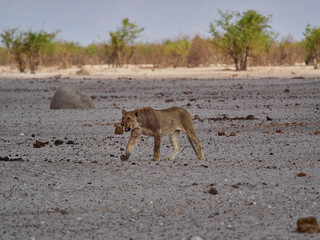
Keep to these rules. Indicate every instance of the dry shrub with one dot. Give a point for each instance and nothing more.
(200, 52)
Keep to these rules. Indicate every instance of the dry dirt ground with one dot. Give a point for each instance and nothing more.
(254, 185)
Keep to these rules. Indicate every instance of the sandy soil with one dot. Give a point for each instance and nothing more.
(148, 72)
(81, 190)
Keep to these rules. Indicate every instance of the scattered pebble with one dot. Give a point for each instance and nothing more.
(233, 134)
(39, 144)
(302, 174)
(221, 133)
(63, 211)
(58, 142)
(250, 117)
(118, 130)
(307, 225)
(213, 191)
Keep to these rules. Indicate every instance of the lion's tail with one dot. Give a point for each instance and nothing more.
(194, 149)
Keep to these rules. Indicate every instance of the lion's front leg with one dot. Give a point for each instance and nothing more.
(134, 137)
(156, 149)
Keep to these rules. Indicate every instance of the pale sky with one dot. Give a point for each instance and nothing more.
(86, 21)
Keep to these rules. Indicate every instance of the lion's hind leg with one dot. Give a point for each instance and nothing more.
(192, 136)
(174, 140)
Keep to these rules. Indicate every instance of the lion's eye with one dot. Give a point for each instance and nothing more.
(128, 119)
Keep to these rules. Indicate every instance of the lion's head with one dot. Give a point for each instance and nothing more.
(129, 120)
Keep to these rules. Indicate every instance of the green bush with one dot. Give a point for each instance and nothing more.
(312, 44)
(243, 37)
(26, 47)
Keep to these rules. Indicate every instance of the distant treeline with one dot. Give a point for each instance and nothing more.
(243, 39)
(183, 52)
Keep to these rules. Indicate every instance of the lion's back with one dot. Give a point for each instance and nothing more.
(173, 118)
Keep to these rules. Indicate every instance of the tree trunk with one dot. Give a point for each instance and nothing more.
(21, 62)
(236, 62)
(243, 64)
(315, 63)
(244, 61)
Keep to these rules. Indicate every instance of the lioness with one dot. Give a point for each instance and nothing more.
(158, 123)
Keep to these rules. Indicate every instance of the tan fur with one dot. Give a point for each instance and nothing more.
(158, 123)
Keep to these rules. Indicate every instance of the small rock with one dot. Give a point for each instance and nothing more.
(269, 118)
(58, 142)
(213, 191)
(221, 133)
(287, 90)
(307, 225)
(39, 144)
(317, 132)
(63, 212)
(250, 117)
(70, 142)
(233, 134)
(302, 174)
(118, 130)
(197, 117)
(279, 131)
(168, 100)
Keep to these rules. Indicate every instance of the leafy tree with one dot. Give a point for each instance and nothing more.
(119, 48)
(14, 40)
(243, 37)
(26, 46)
(312, 44)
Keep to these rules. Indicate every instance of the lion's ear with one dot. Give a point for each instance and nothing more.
(124, 112)
(137, 113)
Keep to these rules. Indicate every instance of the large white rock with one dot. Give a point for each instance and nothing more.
(69, 97)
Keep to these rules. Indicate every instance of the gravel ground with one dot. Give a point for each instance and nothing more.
(254, 185)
